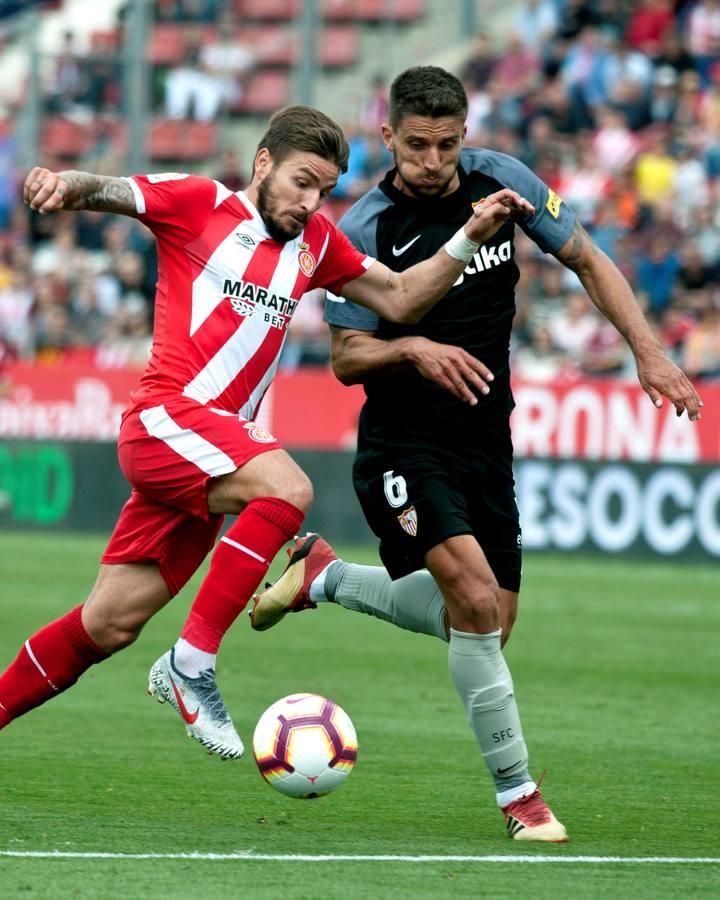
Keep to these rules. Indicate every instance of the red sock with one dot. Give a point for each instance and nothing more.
(238, 564)
(48, 663)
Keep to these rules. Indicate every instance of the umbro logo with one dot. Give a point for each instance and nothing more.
(244, 239)
(398, 251)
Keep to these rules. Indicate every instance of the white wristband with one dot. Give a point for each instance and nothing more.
(461, 247)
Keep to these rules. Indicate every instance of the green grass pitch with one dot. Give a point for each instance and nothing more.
(615, 666)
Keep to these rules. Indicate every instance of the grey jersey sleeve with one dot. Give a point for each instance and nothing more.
(359, 225)
(553, 221)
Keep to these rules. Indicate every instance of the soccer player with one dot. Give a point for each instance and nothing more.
(433, 470)
(232, 269)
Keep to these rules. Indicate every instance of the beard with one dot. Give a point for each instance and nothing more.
(426, 191)
(267, 206)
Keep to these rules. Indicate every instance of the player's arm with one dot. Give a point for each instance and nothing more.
(613, 296)
(47, 191)
(407, 296)
(358, 355)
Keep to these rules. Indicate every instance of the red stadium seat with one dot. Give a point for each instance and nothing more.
(164, 139)
(105, 41)
(339, 46)
(268, 9)
(167, 44)
(200, 142)
(266, 92)
(374, 10)
(61, 137)
(279, 46)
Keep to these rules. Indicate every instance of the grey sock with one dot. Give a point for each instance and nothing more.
(484, 684)
(413, 603)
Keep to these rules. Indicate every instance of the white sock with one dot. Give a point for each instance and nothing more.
(515, 793)
(317, 587)
(191, 661)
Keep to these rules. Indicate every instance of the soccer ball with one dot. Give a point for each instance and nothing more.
(305, 745)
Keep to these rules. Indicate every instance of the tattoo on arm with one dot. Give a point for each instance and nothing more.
(99, 192)
(580, 241)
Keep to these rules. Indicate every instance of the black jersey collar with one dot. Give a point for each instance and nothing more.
(448, 203)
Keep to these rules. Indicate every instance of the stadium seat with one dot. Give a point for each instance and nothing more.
(180, 140)
(374, 10)
(339, 46)
(265, 92)
(279, 46)
(200, 142)
(282, 10)
(167, 44)
(64, 138)
(164, 139)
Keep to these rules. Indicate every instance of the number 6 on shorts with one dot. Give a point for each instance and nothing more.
(395, 489)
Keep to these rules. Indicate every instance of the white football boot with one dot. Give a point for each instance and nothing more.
(199, 704)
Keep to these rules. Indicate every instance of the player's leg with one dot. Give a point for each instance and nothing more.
(484, 684)
(50, 661)
(270, 493)
(315, 575)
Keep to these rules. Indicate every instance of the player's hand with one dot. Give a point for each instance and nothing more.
(660, 378)
(452, 368)
(44, 191)
(490, 213)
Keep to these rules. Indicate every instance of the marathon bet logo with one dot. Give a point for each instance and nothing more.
(248, 299)
(487, 257)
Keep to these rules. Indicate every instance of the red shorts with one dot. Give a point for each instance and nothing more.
(168, 453)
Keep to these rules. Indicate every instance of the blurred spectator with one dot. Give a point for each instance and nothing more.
(230, 174)
(537, 23)
(68, 84)
(209, 77)
(572, 329)
(655, 171)
(307, 342)
(657, 274)
(700, 356)
(648, 23)
(675, 326)
(540, 360)
(663, 100)
(479, 65)
(694, 274)
(703, 30)
(606, 352)
(375, 110)
(517, 68)
(673, 52)
(614, 143)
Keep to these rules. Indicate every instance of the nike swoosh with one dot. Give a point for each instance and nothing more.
(190, 718)
(407, 246)
(507, 769)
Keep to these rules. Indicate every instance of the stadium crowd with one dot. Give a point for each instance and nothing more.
(614, 104)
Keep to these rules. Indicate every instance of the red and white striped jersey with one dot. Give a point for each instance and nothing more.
(226, 290)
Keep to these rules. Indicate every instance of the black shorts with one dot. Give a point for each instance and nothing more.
(418, 494)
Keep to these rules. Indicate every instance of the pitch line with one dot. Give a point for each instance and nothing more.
(250, 856)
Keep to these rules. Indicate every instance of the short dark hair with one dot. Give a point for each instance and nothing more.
(306, 129)
(426, 91)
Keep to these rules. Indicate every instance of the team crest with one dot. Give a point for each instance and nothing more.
(306, 259)
(408, 521)
(258, 434)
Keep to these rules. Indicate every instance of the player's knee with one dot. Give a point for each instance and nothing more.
(113, 633)
(299, 492)
(114, 636)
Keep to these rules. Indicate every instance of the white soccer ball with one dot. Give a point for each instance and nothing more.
(305, 745)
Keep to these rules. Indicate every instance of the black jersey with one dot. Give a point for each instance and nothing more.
(476, 314)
